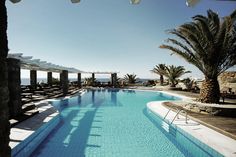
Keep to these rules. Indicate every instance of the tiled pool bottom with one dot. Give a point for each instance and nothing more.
(109, 124)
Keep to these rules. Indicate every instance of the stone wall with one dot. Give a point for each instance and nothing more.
(228, 80)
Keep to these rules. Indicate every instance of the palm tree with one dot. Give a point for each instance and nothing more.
(159, 70)
(90, 81)
(210, 44)
(130, 78)
(189, 83)
(173, 73)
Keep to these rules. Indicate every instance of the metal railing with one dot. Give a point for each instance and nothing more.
(177, 115)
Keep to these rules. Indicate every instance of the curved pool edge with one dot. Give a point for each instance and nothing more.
(206, 136)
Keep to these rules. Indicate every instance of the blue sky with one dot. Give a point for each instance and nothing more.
(102, 35)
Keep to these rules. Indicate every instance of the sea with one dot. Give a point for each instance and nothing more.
(26, 81)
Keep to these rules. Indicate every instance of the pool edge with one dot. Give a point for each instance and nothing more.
(207, 138)
(29, 139)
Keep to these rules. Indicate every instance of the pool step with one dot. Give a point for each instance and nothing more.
(172, 130)
(165, 126)
(169, 128)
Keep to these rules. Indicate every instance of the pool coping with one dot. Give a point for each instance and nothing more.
(28, 134)
(164, 92)
(223, 144)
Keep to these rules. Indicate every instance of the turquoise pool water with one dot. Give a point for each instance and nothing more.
(111, 123)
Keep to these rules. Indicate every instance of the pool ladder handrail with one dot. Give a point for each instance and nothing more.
(169, 112)
(177, 115)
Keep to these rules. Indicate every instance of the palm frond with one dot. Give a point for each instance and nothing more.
(130, 78)
(208, 42)
(174, 72)
(214, 22)
(233, 15)
(203, 23)
(184, 55)
(159, 69)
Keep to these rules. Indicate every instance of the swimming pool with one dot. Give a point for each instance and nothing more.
(112, 123)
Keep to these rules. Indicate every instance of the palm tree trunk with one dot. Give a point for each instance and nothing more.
(172, 82)
(161, 80)
(5, 150)
(210, 91)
